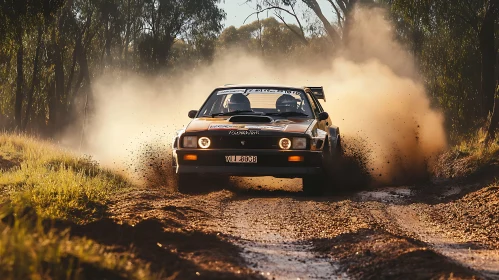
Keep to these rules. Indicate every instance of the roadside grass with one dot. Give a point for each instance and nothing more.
(41, 184)
(468, 158)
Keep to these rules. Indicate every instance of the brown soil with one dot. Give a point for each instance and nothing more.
(377, 254)
(164, 235)
(6, 165)
(387, 233)
(430, 232)
(475, 216)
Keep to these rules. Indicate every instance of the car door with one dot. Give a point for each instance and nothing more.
(317, 109)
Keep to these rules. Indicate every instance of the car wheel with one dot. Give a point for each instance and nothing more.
(217, 182)
(192, 183)
(188, 183)
(313, 185)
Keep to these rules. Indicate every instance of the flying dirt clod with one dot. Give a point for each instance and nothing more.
(375, 94)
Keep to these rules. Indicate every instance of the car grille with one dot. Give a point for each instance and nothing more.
(245, 142)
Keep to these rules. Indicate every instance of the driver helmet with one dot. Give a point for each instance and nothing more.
(238, 102)
(286, 103)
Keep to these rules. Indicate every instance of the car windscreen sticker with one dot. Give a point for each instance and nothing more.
(266, 127)
(270, 90)
(247, 127)
(231, 91)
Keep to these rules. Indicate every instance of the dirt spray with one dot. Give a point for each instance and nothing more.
(374, 94)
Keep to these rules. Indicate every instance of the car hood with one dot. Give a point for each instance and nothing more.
(290, 125)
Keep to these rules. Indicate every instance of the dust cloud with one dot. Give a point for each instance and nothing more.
(374, 94)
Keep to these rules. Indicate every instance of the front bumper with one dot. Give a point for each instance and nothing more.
(270, 163)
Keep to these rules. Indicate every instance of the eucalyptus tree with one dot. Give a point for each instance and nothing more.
(166, 20)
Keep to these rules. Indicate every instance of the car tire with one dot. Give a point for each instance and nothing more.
(192, 183)
(313, 185)
(188, 183)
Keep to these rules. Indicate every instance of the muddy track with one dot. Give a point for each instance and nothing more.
(261, 234)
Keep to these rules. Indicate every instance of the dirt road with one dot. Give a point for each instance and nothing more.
(274, 234)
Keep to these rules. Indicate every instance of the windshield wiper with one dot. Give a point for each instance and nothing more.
(237, 112)
(288, 114)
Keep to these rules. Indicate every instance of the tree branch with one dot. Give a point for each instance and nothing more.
(338, 14)
(333, 34)
(298, 21)
(300, 36)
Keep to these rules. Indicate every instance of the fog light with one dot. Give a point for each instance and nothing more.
(190, 157)
(295, 159)
(285, 143)
(204, 142)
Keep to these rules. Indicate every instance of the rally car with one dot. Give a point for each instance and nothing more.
(258, 130)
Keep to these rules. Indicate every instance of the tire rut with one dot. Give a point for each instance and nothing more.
(267, 230)
(483, 260)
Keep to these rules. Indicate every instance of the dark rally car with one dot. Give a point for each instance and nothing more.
(257, 130)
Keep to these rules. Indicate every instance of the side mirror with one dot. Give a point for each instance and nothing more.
(323, 116)
(192, 114)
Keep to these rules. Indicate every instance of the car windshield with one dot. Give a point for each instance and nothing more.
(261, 101)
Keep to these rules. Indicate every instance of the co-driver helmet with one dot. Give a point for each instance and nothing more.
(286, 103)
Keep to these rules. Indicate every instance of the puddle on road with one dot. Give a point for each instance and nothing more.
(287, 260)
(390, 195)
(265, 230)
(452, 191)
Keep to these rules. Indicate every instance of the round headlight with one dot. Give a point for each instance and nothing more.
(204, 142)
(285, 143)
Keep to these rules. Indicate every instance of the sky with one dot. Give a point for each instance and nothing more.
(237, 11)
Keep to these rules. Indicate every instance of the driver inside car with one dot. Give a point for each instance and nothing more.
(238, 102)
(286, 103)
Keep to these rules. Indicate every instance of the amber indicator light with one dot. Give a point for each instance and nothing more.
(190, 157)
(295, 158)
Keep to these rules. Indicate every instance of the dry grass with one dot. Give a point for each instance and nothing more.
(468, 158)
(40, 183)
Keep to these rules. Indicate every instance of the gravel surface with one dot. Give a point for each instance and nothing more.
(386, 233)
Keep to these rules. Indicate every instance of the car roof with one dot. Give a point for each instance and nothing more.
(229, 86)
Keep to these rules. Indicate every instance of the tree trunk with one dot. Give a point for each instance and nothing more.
(108, 40)
(128, 27)
(494, 121)
(59, 85)
(85, 73)
(488, 57)
(83, 62)
(20, 79)
(69, 82)
(34, 80)
(52, 106)
(331, 32)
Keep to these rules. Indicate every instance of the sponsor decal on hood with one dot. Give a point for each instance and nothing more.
(246, 127)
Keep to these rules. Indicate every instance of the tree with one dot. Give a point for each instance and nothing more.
(447, 37)
(266, 36)
(51, 50)
(335, 32)
(165, 20)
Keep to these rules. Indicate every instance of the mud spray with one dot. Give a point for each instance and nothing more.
(374, 94)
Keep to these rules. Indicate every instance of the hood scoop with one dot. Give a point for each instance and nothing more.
(250, 119)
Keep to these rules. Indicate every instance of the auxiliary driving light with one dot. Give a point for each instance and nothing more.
(285, 143)
(295, 158)
(190, 157)
(204, 142)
